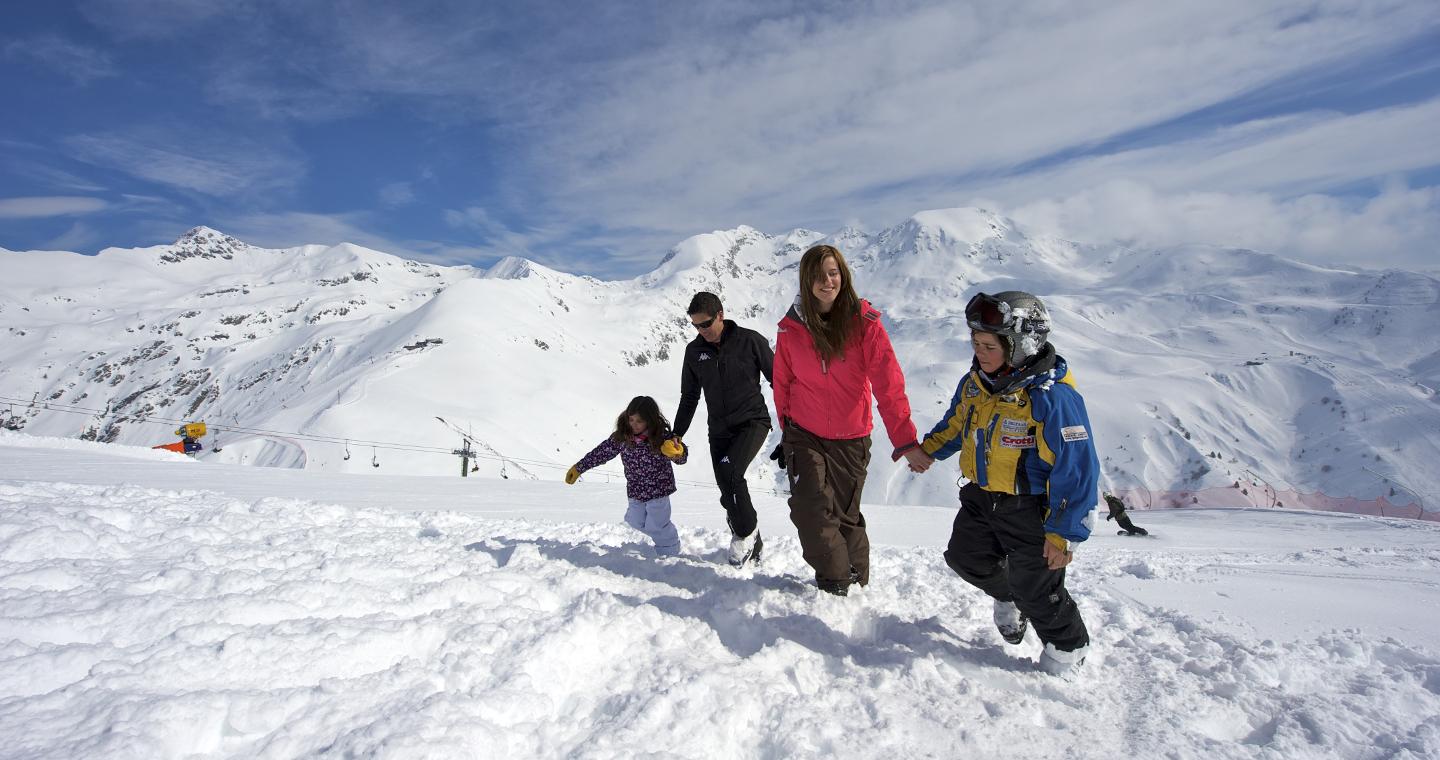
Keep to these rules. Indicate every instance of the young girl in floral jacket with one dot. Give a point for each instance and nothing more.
(647, 449)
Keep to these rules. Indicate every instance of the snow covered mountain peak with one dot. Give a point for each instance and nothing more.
(203, 243)
(1199, 364)
(743, 252)
(518, 268)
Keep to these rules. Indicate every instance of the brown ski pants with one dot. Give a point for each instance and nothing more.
(826, 478)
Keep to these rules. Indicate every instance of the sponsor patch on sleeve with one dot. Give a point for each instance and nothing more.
(1074, 433)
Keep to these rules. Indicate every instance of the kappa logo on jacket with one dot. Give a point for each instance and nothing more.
(703, 356)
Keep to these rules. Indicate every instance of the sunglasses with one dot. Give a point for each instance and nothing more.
(704, 325)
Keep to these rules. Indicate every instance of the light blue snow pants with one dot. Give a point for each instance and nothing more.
(653, 519)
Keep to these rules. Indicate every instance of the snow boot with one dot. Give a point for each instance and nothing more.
(1136, 530)
(838, 588)
(1010, 621)
(1058, 662)
(747, 549)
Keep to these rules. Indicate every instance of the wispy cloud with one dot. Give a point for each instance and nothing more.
(76, 62)
(1287, 156)
(397, 194)
(79, 236)
(214, 162)
(1399, 227)
(802, 117)
(153, 19)
(288, 229)
(611, 131)
(55, 205)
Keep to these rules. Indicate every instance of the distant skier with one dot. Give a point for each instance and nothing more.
(647, 449)
(1023, 437)
(1117, 513)
(726, 361)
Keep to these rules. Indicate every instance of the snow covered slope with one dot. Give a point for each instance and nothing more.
(163, 609)
(1201, 366)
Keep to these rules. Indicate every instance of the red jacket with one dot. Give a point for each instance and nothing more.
(832, 398)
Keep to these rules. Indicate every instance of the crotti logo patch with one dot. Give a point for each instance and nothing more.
(1017, 441)
(1074, 433)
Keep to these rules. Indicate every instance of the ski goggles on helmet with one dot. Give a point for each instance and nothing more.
(987, 313)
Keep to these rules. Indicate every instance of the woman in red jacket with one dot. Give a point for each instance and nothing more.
(831, 354)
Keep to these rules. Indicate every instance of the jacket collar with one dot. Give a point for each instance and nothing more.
(725, 334)
(794, 311)
(1045, 367)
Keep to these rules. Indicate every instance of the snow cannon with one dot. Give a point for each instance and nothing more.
(191, 430)
(189, 443)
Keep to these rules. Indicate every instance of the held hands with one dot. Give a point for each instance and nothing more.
(918, 460)
(672, 448)
(572, 475)
(1057, 552)
(779, 455)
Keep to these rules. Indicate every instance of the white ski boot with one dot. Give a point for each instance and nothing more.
(747, 549)
(1057, 662)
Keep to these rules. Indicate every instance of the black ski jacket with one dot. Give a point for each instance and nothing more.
(729, 374)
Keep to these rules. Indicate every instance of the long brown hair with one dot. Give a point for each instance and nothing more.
(658, 428)
(829, 331)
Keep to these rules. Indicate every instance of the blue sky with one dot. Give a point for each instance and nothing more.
(592, 137)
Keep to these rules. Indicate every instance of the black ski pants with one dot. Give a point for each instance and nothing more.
(731, 453)
(998, 546)
(1124, 521)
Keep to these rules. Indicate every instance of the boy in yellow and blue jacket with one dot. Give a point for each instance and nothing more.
(1025, 446)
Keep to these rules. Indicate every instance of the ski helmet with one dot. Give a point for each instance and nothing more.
(1019, 319)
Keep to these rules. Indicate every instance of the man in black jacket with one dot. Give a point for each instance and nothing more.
(726, 361)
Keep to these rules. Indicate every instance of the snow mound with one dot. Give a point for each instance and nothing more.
(21, 440)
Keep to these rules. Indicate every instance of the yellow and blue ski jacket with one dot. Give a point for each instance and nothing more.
(1030, 435)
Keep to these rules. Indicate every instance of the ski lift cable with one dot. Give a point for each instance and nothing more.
(374, 444)
(550, 464)
(242, 429)
(391, 445)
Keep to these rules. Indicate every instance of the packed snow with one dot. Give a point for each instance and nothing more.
(155, 607)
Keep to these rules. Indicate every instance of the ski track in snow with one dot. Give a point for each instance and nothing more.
(140, 622)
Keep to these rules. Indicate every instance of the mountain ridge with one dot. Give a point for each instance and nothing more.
(1200, 364)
